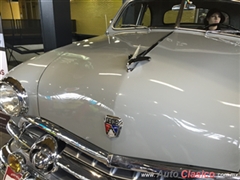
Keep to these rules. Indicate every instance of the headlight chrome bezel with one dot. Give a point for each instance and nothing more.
(21, 95)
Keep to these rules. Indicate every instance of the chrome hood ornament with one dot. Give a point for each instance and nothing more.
(113, 126)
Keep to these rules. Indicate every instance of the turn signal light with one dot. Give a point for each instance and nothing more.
(16, 162)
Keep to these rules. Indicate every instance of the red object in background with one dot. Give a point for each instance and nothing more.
(10, 175)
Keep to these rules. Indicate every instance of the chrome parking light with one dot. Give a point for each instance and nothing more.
(16, 162)
(43, 154)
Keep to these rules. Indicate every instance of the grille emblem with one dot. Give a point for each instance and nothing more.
(113, 126)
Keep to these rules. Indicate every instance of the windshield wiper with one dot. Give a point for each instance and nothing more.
(155, 44)
(136, 57)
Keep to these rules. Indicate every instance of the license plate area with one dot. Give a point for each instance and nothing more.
(11, 175)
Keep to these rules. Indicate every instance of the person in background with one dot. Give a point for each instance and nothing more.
(214, 17)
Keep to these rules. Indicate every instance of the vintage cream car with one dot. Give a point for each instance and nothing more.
(156, 97)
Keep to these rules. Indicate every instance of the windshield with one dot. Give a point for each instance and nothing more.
(162, 14)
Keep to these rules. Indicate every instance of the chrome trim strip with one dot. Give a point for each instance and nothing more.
(2, 157)
(110, 160)
(14, 131)
(3, 160)
(65, 168)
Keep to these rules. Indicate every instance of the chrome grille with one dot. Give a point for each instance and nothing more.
(79, 159)
(111, 171)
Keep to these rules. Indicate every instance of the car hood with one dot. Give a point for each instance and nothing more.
(181, 107)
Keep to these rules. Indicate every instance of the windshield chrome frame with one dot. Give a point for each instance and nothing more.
(112, 29)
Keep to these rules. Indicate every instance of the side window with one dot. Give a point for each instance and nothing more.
(201, 13)
(134, 15)
(147, 18)
(170, 17)
(190, 16)
(118, 24)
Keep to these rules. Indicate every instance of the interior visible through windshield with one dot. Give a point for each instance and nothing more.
(164, 13)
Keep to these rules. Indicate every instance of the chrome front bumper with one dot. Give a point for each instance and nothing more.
(66, 171)
(80, 159)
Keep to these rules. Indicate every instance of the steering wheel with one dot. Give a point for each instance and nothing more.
(221, 25)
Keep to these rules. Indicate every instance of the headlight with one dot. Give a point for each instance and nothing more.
(13, 97)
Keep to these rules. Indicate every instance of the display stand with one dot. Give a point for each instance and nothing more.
(3, 59)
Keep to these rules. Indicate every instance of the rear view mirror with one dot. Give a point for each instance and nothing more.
(187, 6)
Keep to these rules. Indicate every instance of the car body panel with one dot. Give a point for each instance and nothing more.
(35, 67)
(191, 92)
(174, 85)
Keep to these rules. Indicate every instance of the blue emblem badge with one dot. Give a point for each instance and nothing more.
(113, 126)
